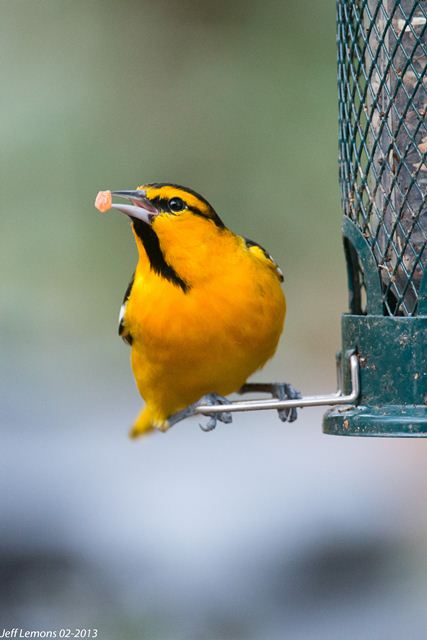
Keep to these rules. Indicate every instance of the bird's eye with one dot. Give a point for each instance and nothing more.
(176, 204)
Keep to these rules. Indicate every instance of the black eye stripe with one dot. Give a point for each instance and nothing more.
(196, 211)
(162, 204)
(213, 217)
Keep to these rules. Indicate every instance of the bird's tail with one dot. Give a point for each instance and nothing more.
(146, 422)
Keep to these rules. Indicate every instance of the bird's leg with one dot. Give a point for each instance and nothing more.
(279, 390)
(182, 415)
(211, 399)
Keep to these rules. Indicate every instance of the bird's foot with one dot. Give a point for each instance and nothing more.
(211, 399)
(278, 390)
(285, 391)
(214, 399)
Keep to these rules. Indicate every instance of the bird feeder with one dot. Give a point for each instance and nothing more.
(382, 86)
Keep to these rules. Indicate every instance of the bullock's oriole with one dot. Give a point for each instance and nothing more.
(204, 308)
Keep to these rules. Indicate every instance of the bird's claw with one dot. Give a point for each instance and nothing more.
(211, 399)
(279, 391)
(214, 399)
(285, 391)
(210, 425)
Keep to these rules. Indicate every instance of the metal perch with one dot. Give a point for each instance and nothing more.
(221, 410)
(333, 399)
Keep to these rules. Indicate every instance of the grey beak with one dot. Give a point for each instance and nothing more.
(144, 210)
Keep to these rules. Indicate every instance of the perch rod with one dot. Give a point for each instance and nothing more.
(309, 401)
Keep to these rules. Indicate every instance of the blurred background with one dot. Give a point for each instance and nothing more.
(258, 530)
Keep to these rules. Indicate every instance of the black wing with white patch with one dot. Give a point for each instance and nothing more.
(257, 248)
(122, 329)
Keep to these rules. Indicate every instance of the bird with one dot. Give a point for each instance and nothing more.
(204, 309)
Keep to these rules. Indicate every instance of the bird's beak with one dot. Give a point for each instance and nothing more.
(141, 208)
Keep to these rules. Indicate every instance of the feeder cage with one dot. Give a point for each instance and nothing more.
(382, 86)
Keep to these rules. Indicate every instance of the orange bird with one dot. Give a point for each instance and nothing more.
(204, 309)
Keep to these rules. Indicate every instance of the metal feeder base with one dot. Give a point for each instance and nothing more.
(392, 354)
(388, 421)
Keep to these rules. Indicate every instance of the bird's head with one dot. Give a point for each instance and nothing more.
(169, 201)
(173, 225)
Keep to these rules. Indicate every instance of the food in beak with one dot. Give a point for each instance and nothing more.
(141, 208)
(103, 201)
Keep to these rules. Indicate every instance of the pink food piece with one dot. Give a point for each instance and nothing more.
(103, 201)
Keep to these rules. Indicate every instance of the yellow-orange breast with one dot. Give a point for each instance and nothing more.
(210, 338)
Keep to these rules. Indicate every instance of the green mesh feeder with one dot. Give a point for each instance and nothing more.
(382, 85)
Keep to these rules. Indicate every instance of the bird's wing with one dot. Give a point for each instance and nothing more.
(261, 253)
(122, 325)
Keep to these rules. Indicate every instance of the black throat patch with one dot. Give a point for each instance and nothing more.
(157, 261)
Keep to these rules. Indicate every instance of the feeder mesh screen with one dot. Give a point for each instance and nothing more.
(382, 81)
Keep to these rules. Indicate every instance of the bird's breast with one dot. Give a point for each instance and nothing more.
(230, 307)
(220, 331)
